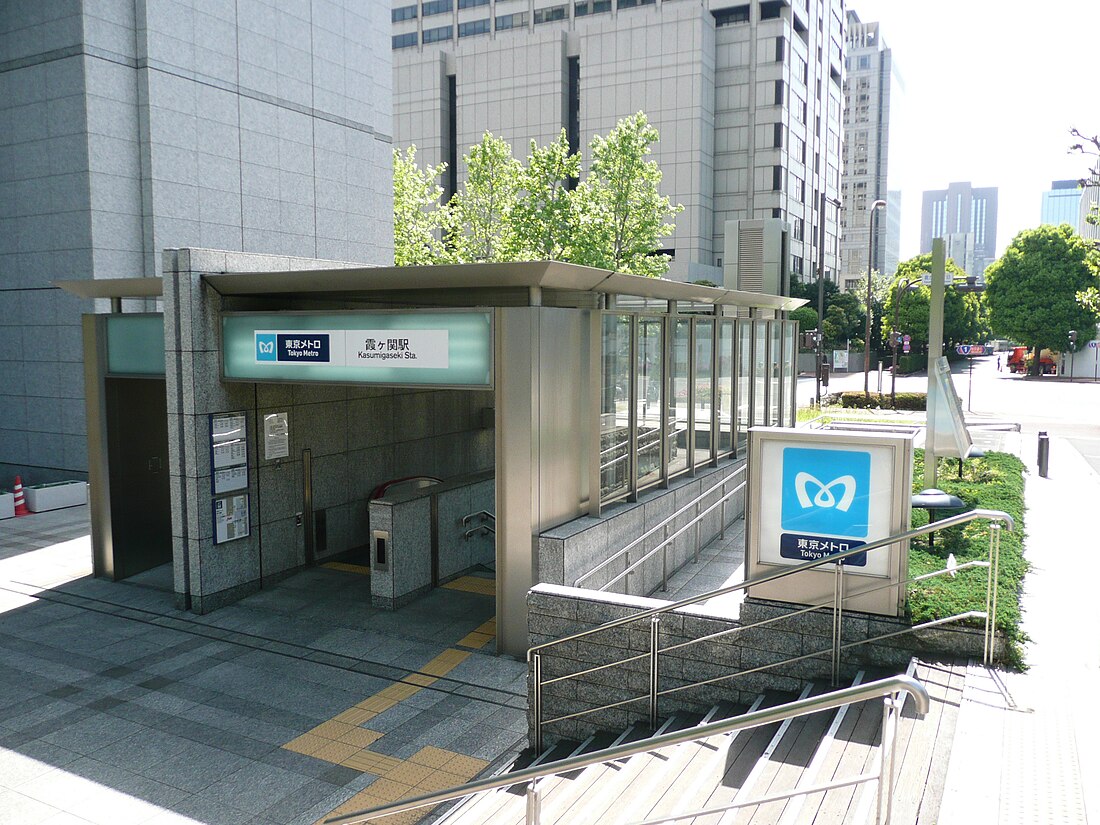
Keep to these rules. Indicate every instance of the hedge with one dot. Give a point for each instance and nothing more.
(854, 399)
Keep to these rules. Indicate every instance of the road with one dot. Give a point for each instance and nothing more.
(1056, 405)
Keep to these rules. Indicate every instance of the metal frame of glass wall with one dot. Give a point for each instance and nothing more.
(680, 390)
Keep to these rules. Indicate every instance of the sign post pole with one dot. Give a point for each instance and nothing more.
(935, 350)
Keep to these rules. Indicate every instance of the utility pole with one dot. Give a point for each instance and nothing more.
(820, 349)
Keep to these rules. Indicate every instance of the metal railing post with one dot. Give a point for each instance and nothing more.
(995, 540)
(696, 531)
(722, 524)
(838, 611)
(888, 754)
(664, 562)
(654, 627)
(536, 662)
(534, 803)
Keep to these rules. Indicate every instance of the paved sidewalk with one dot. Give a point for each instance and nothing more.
(1027, 742)
(292, 705)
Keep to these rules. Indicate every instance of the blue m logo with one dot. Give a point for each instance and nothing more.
(826, 491)
(265, 346)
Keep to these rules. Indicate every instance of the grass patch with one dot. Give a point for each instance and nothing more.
(993, 482)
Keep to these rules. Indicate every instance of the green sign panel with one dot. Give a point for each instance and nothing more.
(452, 349)
(135, 344)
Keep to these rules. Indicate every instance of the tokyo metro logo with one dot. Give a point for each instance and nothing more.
(826, 491)
(265, 346)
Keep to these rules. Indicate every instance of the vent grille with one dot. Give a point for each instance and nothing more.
(750, 258)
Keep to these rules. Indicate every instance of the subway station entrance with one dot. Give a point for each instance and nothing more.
(425, 424)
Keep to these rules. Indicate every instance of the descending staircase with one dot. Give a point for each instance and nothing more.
(754, 764)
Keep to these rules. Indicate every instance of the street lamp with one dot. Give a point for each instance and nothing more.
(895, 338)
(819, 351)
(867, 335)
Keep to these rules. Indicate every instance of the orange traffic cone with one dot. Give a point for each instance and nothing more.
(20, 504)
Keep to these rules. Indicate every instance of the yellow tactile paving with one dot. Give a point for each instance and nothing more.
(356, 716)
(474, 584)
(343, 740)
(445, 662)
(475, 640)
(419, 679)
(361, 569)
(361, 737)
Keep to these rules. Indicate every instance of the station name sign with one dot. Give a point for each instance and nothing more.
(438, 348)
(401, 349)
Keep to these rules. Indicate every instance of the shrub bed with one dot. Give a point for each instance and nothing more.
(856, 400)
(993, 482)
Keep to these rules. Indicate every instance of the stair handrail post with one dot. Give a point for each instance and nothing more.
(536, 667)
(664, 562)
(654, 675)
(992, 590)
(722, 516)
(838, 615)
(534, 803)
(891, 713)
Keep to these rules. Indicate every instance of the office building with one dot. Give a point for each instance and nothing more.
(1062, 203)
(129, 128)
(746, 96)
(1087, 202)
(871, 85)
(966, 218)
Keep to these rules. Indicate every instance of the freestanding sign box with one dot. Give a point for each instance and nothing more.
(815, 493)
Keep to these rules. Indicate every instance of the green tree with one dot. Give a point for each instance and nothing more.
(543, 216)
(844, 320)
(480, 216)
(959, 322)
(418, 216)
(1089, 146)
(806, 317)
(1032, 289)
(620, 214)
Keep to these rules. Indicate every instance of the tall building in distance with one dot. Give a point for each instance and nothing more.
(1062, 203)
(746, 95)
(966, 218)
(1088, 200)
(129, 128)
(871, 86)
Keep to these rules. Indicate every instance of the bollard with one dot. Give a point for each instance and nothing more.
(1044, 453)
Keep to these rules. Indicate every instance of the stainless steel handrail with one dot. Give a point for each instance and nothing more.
(662, 525)
(485, 514)
(534, 654)
(950, 521)
(887, 687)
(667, 541)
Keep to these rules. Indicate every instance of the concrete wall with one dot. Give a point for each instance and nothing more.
(575, 548)
(358, 437)
(128, 128)
(559, 611)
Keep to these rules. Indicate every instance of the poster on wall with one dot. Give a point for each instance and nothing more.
(228, 452)
(276, 436)
(230, 518)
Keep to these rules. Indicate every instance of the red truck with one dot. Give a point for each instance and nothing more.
(1018, 360)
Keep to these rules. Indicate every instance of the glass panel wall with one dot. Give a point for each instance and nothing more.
(679, 400)
(724, 387)
(790, 375)
(649, 401)
(744, 384)
(704, 389)
(760, 373)
(615, 468)
(775, 373)
(673, 399)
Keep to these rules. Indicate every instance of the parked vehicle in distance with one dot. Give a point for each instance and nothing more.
(1019, 361)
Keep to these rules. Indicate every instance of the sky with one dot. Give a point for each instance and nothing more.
(991, 90)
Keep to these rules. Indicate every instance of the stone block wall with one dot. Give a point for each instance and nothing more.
(573, 549)
(555, 612)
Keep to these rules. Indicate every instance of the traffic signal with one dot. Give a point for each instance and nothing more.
(1073, 339)
(895, 338)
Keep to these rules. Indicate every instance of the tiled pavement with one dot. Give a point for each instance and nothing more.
(296, 703)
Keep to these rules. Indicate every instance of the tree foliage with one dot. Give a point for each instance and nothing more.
(1032, 289)
(620, 214)
(1089, 146)
(480, 221)
(509, 211)
(964, 314)
(417, 219)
